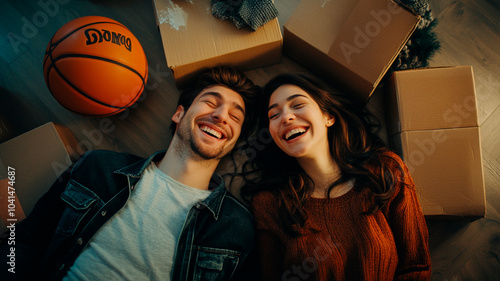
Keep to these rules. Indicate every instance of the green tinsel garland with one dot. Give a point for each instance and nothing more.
(422, 44)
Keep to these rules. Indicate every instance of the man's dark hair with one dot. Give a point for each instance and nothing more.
(233, 79)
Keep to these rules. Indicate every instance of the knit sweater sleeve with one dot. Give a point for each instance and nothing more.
(269, 235)
(408, 226)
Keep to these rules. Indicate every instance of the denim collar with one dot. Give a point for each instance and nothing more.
(136, 169)
(213, 202)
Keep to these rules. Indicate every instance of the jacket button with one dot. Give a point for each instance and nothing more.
(199, 206)
(79, 241)
(103, 213)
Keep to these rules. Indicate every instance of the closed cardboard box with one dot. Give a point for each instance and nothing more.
(30, 163)
(193, 40)
(447, 168)
(433, 122)
(351, 43)
(432, 98)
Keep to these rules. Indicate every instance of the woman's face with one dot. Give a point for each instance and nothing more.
(297, 124)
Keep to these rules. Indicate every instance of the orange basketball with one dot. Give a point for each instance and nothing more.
(95, 66)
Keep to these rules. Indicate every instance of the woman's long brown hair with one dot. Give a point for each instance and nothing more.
(353, 145)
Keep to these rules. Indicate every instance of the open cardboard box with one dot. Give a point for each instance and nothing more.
(433, 125)
(193, 40)
(351, 43)
(37, 158)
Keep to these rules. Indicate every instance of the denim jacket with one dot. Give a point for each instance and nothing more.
(217, 236)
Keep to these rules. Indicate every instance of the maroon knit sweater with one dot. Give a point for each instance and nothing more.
(340, 243)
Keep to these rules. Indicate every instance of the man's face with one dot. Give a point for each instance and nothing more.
(212, 124)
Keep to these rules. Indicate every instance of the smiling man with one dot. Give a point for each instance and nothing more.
(114, 216)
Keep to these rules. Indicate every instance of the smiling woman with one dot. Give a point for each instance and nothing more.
(297, 124)
(330, 197)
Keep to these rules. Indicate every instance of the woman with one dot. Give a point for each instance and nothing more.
(331, 203)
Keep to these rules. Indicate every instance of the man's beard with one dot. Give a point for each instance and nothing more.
(207, 154)
(186, 135)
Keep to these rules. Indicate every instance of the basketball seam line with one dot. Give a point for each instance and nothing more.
(54, 45)
(81, 92)
(83, 26)
(100, 58)
(74, 87)
(94, 115)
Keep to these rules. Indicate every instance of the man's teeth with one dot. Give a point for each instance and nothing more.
(211, 132)
(293, 132)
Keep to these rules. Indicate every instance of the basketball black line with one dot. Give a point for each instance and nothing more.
(52, 65)
(47, 52)
(52, 46)
(83, 26)
(75, 88)
(80, 91)
(92, 115)
(132, 101)
(103, 59)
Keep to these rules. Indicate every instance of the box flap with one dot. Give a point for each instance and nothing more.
(447, 168)
(359, 39)
(319, 22)
(321, 64)
(372, 36)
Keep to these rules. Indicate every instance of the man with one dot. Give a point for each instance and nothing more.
(114, 216)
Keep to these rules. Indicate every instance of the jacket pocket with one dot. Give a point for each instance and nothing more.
(215, 264)
(79, 200)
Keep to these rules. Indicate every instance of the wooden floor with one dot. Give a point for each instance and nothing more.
(469, 31)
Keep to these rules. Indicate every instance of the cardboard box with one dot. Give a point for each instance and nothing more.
(349, 42)
(432, 98)
(433, 122)
(446, 166)
(193, 40)
(36, 159)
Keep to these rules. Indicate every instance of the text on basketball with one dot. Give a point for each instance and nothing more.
(98, 36)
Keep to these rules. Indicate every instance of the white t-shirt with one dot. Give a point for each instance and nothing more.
(139, 242)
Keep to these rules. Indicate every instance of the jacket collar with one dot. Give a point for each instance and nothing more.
(213, 202)
(136, 169)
